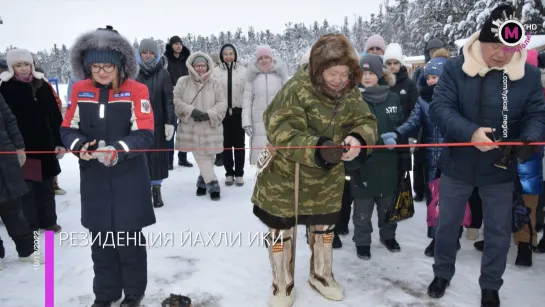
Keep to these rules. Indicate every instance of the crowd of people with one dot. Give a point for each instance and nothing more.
(123, 101)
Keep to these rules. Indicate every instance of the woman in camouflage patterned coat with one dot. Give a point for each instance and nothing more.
(320, 106)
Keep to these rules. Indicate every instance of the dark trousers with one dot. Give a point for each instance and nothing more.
(119, 269)
(11, 213)
(540, 214)
(497, 206)
(419, 182)
(182, 156)
(363, 211)
(346, 208)
(476, 207)
(234, 137)
(39, 206)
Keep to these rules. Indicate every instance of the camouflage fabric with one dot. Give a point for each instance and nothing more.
(298, 116)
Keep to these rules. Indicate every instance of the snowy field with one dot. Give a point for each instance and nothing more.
(218, 275)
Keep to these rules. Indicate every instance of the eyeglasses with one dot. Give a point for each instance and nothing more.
(108, 68)
(200, 66)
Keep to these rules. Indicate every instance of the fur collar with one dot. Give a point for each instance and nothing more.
(193, 73)
(474, 63)
(7, 75)
(278, 67)
(389, 77)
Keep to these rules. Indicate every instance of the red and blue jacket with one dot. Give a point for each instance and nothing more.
(114, 198)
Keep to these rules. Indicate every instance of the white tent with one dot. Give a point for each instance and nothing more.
(536, 42)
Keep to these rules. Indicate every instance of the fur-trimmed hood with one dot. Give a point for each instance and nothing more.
(389, 77)
(474, 63)
(103, 40)
(278, 67)
(331, 50)
(193, 73)
(169, 53)
(441, 52)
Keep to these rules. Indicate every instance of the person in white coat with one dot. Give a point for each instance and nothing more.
(265, 76)
(233, 78)
(200, 104)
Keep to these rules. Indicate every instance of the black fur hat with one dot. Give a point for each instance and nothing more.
(486, 35)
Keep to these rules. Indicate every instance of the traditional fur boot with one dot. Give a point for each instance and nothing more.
(282, 263)
(320, 239)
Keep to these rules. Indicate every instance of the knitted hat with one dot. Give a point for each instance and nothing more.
(393, 52)
(435, 66)
(372, 63)
(175, 39)
(486, 35)
(102, 56)
(227, 48)
(16, 56)
(148, 45)
(199, 59)
(434, 43)
(375, 41)
(263, 50)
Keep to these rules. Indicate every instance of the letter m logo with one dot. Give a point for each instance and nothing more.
(514, 33)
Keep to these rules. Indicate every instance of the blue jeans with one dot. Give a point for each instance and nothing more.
(156, 182)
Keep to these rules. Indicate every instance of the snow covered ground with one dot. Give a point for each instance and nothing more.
(219, 275)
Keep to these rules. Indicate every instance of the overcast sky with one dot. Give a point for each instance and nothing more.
(38, 24)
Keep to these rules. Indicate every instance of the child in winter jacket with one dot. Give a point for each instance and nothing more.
(375, 181)
(420, 118)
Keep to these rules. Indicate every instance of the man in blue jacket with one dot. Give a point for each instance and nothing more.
(487, 94)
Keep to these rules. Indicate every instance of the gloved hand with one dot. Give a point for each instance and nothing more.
(196, 114)
(333, 153)
(389, 139)
(21, 156)
(524, 152)
(107, 155)
(204, 117)
(60, 151)
(169, 132)
(83, 152)
(248, 130)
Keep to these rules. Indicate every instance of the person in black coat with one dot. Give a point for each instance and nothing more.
(13, 186)
(33, 103)
(176, 55)
(157, 79)
(108, 126)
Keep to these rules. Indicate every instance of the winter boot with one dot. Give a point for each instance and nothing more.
(391, 245)
(213, 189)
(157, 198)
(201, 186)
(337, 243)
(321, 279)
(430, 250)
(239, 181)
(363, 252)
(438, 287)
(418, 197)
(524, 255)
(184, 162)
(219, 160)
(229, 180)
(102, 304)
(541, 246)
(472, 234)
(170, 167)
(479, 245)
(132, 301)
(490, 298)
(282, 263)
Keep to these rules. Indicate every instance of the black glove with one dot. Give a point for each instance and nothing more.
(524, 152)
(196, 114)
(204, 117)
(333, 153)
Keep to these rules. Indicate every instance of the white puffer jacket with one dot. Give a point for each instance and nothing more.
(238, 81)
(259, 91)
